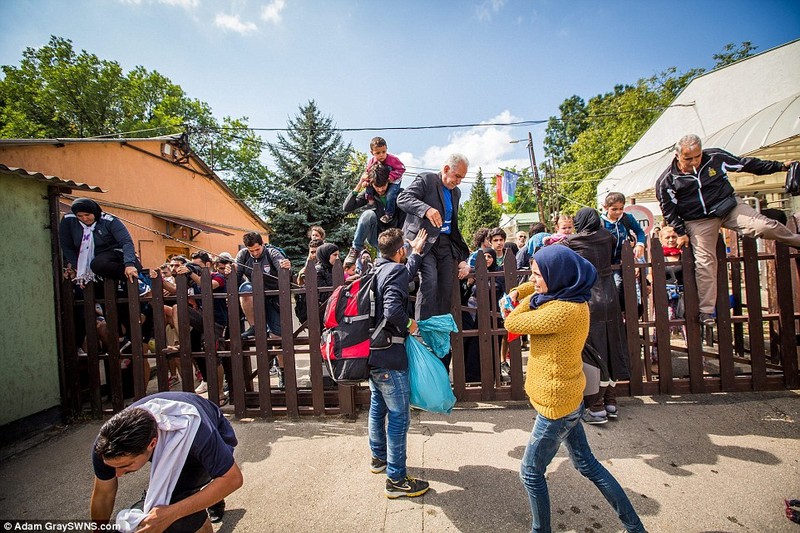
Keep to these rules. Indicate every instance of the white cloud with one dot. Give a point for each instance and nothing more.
(234, 23)
(485, 9)
(185, 4)
(272, 11)
(487, 147)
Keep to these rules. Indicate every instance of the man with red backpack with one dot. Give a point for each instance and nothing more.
(388, 362)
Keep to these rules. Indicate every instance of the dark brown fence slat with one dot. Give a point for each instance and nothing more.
(347, 398)
(314, 329)
(755, 322)
(263, 359)
(114, 373)
(632, 319)
(92, 349)
(160, 332)
(457, 344)
(184, 333)
(137, 348)
(70, 375)
(661, 312)
(209, 336)
(237, 383)
(485, 347)
(287, 341)
(726, 371)
(691, 303)
(512, 276)
(788, 332)
(736, 292)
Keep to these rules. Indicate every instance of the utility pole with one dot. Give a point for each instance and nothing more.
(536, 180)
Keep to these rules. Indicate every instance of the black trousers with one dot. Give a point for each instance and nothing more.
(437, 277)
(110, 264)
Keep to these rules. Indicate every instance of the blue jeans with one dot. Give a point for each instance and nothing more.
(390, 396)
(366, 230)
(391, 198)
(546, 438)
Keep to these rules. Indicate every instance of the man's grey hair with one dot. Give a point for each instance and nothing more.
(688, 140)
(456, 159)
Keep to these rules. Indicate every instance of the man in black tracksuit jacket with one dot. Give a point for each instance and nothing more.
(697, 199)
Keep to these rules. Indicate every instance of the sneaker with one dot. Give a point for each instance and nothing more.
(408, 487)
(352, 255)
(505, 372)
(216, 512)
(174, 380)
(202, 388)
(612, 411)
(273, 370)
(386, 219)
(377, 465)
(594, 420)
(707, 319)
(249, 333)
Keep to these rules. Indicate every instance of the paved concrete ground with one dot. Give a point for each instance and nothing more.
(699, 463)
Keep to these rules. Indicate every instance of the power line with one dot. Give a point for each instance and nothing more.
(412, 128)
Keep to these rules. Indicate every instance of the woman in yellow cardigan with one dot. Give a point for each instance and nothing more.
(554, 312)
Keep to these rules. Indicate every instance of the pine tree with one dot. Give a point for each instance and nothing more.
(479, 211)
(310, 183)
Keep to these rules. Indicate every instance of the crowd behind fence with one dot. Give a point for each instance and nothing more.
(752, 347)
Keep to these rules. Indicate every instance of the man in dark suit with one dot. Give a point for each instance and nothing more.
(431, 202)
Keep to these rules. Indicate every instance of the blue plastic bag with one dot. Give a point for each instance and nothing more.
(435, 332)
(430, 383)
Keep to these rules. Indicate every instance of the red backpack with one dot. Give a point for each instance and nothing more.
(348, 325)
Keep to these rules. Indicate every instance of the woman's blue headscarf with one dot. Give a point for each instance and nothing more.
(569, 277)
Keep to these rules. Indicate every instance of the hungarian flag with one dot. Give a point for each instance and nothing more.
(506, 186)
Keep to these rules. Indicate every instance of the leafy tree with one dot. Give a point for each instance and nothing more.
(234, 152)
(731, 53)
(479, 210)
(58, 92)
(614, 122)
(313, 176)
(562, 131)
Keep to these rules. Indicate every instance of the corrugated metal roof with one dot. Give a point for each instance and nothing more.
(55, 181)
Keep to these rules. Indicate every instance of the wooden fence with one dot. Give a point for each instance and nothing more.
(754, 346)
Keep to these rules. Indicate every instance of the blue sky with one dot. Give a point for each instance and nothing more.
(402, 63)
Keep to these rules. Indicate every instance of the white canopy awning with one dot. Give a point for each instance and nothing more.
(771, 133)
(751, 107)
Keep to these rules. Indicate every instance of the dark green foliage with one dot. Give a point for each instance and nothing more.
(57, 92)
(313, 176)
(479, 211)
(731, 53)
